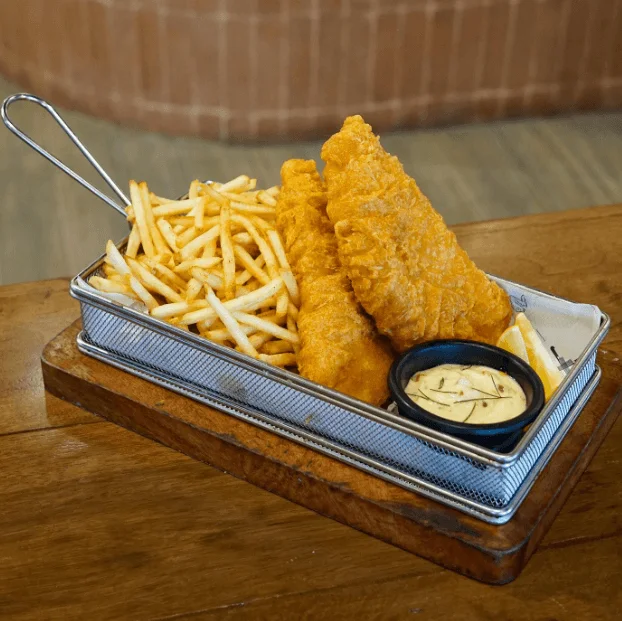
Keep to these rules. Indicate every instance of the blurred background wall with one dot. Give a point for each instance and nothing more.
(160, 89)
(266, 69)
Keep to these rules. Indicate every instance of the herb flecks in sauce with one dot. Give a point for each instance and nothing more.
(455, 391)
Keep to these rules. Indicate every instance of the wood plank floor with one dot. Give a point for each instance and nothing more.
(50, 226)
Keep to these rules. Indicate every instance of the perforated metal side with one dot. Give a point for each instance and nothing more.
(467, 478)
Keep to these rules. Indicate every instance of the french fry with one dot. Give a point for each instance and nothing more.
(248, 302)
(292, 312)
(264, 248)
(292, 327)
(279, 360)
(131, 218)
(196, 245)
(277, 247)
(167, 233)
(199, 213)
(118, 262)
(226, 249)
(187, 236)
(215, 196)
(114, 258)
(158, 242)
(222, 334)
(184, 221)
(193, 192)
(266, 199)
(282, 304)
(175, 208)
(250, 265)
(243, 239)
(277, 347)
(133, 242)
(193, 289)
(253, 209)
(158, 200)
(240, 184)
(141, 219)
(266, 326)
(204, 263)
(110, 286)
(220, 240)
(231, 324)
(168, 274)
(170, 310)
(109, 270)
(260, 339)
(208, 278)
(152, 282)
(291, 285)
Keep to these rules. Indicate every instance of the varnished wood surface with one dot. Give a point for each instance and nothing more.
(492, 554)
(98, 523)
(50, 226)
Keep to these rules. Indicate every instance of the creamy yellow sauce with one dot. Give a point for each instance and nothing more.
(471, 394)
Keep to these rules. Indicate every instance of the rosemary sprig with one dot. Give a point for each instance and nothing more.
(481, 399)
(484, 392)
(494, 384)
(422, 395)
(441, 383)
(470, 413)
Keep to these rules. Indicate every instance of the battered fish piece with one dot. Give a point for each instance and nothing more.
(339, 346)
(406, 267)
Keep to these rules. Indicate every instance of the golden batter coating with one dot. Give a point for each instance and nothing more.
(339, 346)
(406, 267)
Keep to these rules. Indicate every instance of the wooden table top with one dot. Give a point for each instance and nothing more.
(99, 523)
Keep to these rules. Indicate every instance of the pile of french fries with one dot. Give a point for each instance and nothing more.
(212, 264)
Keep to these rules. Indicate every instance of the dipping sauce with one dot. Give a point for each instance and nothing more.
(471, 394)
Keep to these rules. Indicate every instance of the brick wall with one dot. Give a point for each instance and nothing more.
(273, 69)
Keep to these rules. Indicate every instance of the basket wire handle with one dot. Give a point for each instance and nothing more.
(4, 113)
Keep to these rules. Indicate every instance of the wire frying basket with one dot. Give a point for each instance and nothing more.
(477, 481)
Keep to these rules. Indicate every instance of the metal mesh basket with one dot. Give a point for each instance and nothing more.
(478, 481)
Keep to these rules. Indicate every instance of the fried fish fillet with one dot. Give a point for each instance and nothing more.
(339, 346)
(406, 267)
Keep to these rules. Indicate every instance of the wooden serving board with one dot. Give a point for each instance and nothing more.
(493, 554)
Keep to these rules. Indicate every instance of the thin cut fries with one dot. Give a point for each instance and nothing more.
(204, 263)
(196, 245)
(141, 220)
(250, 301)
(153, 283)
(277, 347)
(266, 326)
(167, 233)
(133, 242)
(231, 324)
(213, 264)
(111, 286)
(170, 310)
(226, 248)
(279, 360)
(249, 264)
(193, 290)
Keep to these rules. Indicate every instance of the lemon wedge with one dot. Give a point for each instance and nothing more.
(540, 359)
(512, 340)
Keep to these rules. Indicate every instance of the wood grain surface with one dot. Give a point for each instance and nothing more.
(99, 523)
(493, 554)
